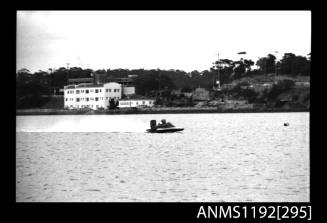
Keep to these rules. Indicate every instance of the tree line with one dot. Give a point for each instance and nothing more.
(31, 86)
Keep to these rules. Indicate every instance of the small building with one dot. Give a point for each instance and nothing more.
(267, 85)
(132, 76)
(299, 84)
(128, 90)
(176, 92)
(91, 96)
(201, 94)
(136, 102)
(285, 98)
(187, 94)
(261, 87)
(228, 86)
(236, 102)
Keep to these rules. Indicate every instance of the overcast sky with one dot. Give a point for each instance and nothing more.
(185, 40)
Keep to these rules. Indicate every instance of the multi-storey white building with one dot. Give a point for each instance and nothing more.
(91, 96)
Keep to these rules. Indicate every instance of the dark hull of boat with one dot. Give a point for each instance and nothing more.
(165, 130)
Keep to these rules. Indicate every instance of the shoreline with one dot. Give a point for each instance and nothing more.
(171, 110)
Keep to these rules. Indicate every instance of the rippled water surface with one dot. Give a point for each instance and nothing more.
(218, 157)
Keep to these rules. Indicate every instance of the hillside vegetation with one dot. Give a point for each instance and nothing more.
(34, 90)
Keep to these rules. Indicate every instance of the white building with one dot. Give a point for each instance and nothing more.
(302, 84)
(91, 96)
(134, 103)
(128, 90)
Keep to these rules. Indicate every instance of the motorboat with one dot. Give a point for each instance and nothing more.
(162, 127)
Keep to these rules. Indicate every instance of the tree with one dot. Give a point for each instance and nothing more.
(59, 77)
(194, 73)
(280, 87)
(267, 64)
(166, 82)
(248, 64)
(23, 75)
(226, 69)
(29, 95)
(113, 104)
(295, 65)
(249, 94)
(186, 89)
(287, 63)
(42, 77)
(147, 83)
(239, 69)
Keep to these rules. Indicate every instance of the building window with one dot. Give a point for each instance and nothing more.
(107, 98)
(106, 90)
(87, 99)
(66, 99)
(100, 90)
(77, 91)
(117, 90)
(97, 106)
(96, 91)
(143, 102)
(91, 90)
(109, 90)
(86, 91)
(77, 99)
(92, 99)
(96, 99)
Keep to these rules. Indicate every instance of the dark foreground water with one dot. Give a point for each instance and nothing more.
(218, 157)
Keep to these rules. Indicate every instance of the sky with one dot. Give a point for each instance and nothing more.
(184, 40)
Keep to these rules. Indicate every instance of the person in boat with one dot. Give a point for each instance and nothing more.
(165, 124)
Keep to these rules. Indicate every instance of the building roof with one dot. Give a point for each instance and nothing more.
(87, 85)
(137, 99)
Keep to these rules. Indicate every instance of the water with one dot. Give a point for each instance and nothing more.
(218, 157)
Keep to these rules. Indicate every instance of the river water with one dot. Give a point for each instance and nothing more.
(217, 158)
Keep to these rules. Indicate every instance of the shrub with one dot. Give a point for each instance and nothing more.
(280, 87)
